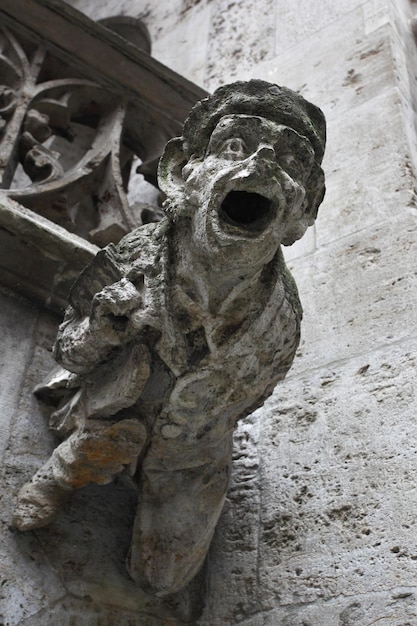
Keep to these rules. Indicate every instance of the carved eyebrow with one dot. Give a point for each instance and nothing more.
(232, 130)
(218, 139)
(284, 136)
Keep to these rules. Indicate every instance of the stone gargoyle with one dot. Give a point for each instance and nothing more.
(185, 326)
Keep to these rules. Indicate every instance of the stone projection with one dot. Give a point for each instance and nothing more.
(185, 327)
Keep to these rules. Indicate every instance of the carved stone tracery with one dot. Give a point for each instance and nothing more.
(67, 148)
(84, 117)
(70, 146)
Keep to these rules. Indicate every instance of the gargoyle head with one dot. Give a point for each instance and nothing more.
(247, 169)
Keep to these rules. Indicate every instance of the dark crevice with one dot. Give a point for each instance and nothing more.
(247, 210)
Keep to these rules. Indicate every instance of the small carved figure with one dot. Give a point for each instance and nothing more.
(185, 326)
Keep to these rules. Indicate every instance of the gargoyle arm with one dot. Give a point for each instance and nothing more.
(76, 347)
(85, 341)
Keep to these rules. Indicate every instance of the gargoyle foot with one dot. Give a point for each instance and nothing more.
(38, 502)
(187, 605)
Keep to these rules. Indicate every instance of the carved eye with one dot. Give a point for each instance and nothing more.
(290, 163)
(286, 159)
(233, 148)
(294, 154)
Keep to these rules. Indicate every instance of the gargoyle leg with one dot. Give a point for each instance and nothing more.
(93, 454)
(177, 513)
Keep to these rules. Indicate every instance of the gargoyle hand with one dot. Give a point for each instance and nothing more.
(111, 311)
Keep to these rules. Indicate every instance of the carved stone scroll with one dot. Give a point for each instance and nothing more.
(184, 327)
(72, 138)
(84, 118)
(64, 148)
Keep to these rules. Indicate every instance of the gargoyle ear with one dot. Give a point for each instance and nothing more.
(298, 225)
(170, 166)
(315, 193)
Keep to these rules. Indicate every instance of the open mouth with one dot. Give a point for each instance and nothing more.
(247, 210)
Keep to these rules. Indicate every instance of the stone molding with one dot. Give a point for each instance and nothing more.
(80, 109)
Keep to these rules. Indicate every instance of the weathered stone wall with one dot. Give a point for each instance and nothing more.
(320, 524)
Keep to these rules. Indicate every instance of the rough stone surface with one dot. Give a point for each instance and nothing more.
(184, 327)
(323, 553)
(299, 543)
